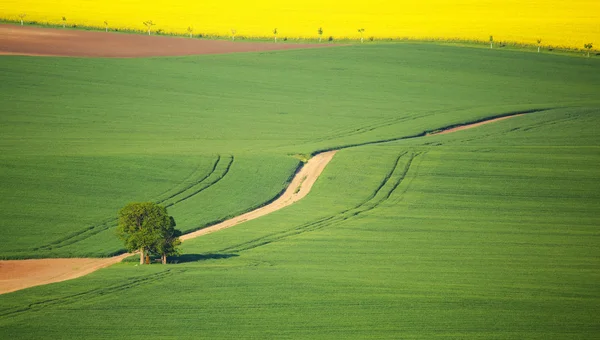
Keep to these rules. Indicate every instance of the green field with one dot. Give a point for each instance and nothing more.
(486, 233)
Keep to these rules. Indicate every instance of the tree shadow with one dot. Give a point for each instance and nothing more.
(199, 257)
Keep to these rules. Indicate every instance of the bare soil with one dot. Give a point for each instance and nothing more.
(470, 126)
(37, 41)
(298, 189)
(21, 274)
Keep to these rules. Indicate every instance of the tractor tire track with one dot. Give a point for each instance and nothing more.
(212, 178)
(90, 294)
(382, 193)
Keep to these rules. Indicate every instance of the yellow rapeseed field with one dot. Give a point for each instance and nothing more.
(571, 23)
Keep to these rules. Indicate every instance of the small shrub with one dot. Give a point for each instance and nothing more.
(371, 38)
(284, 38)
(330, 38)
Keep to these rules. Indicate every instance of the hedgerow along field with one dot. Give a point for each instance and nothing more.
(557, 23)
(485, 233)
(216, 134)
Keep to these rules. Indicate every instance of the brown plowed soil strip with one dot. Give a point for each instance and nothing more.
(21, 274)
(36, 41)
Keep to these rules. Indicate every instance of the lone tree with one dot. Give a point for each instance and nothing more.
(275, 34)
(539, 41)
(190, 30)
(361, 31)
(149, 25)
(64, 20)
(106, 26)
(233, 32)
(22, 16)
(320, 31)
(491, 41)
(588, 47)
(148, 228)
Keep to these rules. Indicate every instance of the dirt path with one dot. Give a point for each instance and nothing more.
(470, 126)
(21, 274)
(298, 189)
(37, 41)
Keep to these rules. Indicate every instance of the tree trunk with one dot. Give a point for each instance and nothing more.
(538, 49)
(275, 39)
(491, 45)
(164, 259)
(319, 38)
(141, 256)
(21, 22)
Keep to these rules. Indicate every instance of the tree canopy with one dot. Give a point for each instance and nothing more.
(147, 227)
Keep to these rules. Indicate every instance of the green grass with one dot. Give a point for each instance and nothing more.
(486, 233)
(260, 108)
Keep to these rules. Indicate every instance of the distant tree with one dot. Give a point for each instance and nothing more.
(22, 16)
(190, 29)
(361, 31)
(320, 31)
(106, 26)
(64, 20)
(233, 32)
(491, 41)
(588, 47)
(275, 34)
(147, 227)
(539, 41)
(149, 25)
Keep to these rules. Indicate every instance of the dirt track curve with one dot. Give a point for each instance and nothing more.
(21, 274)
